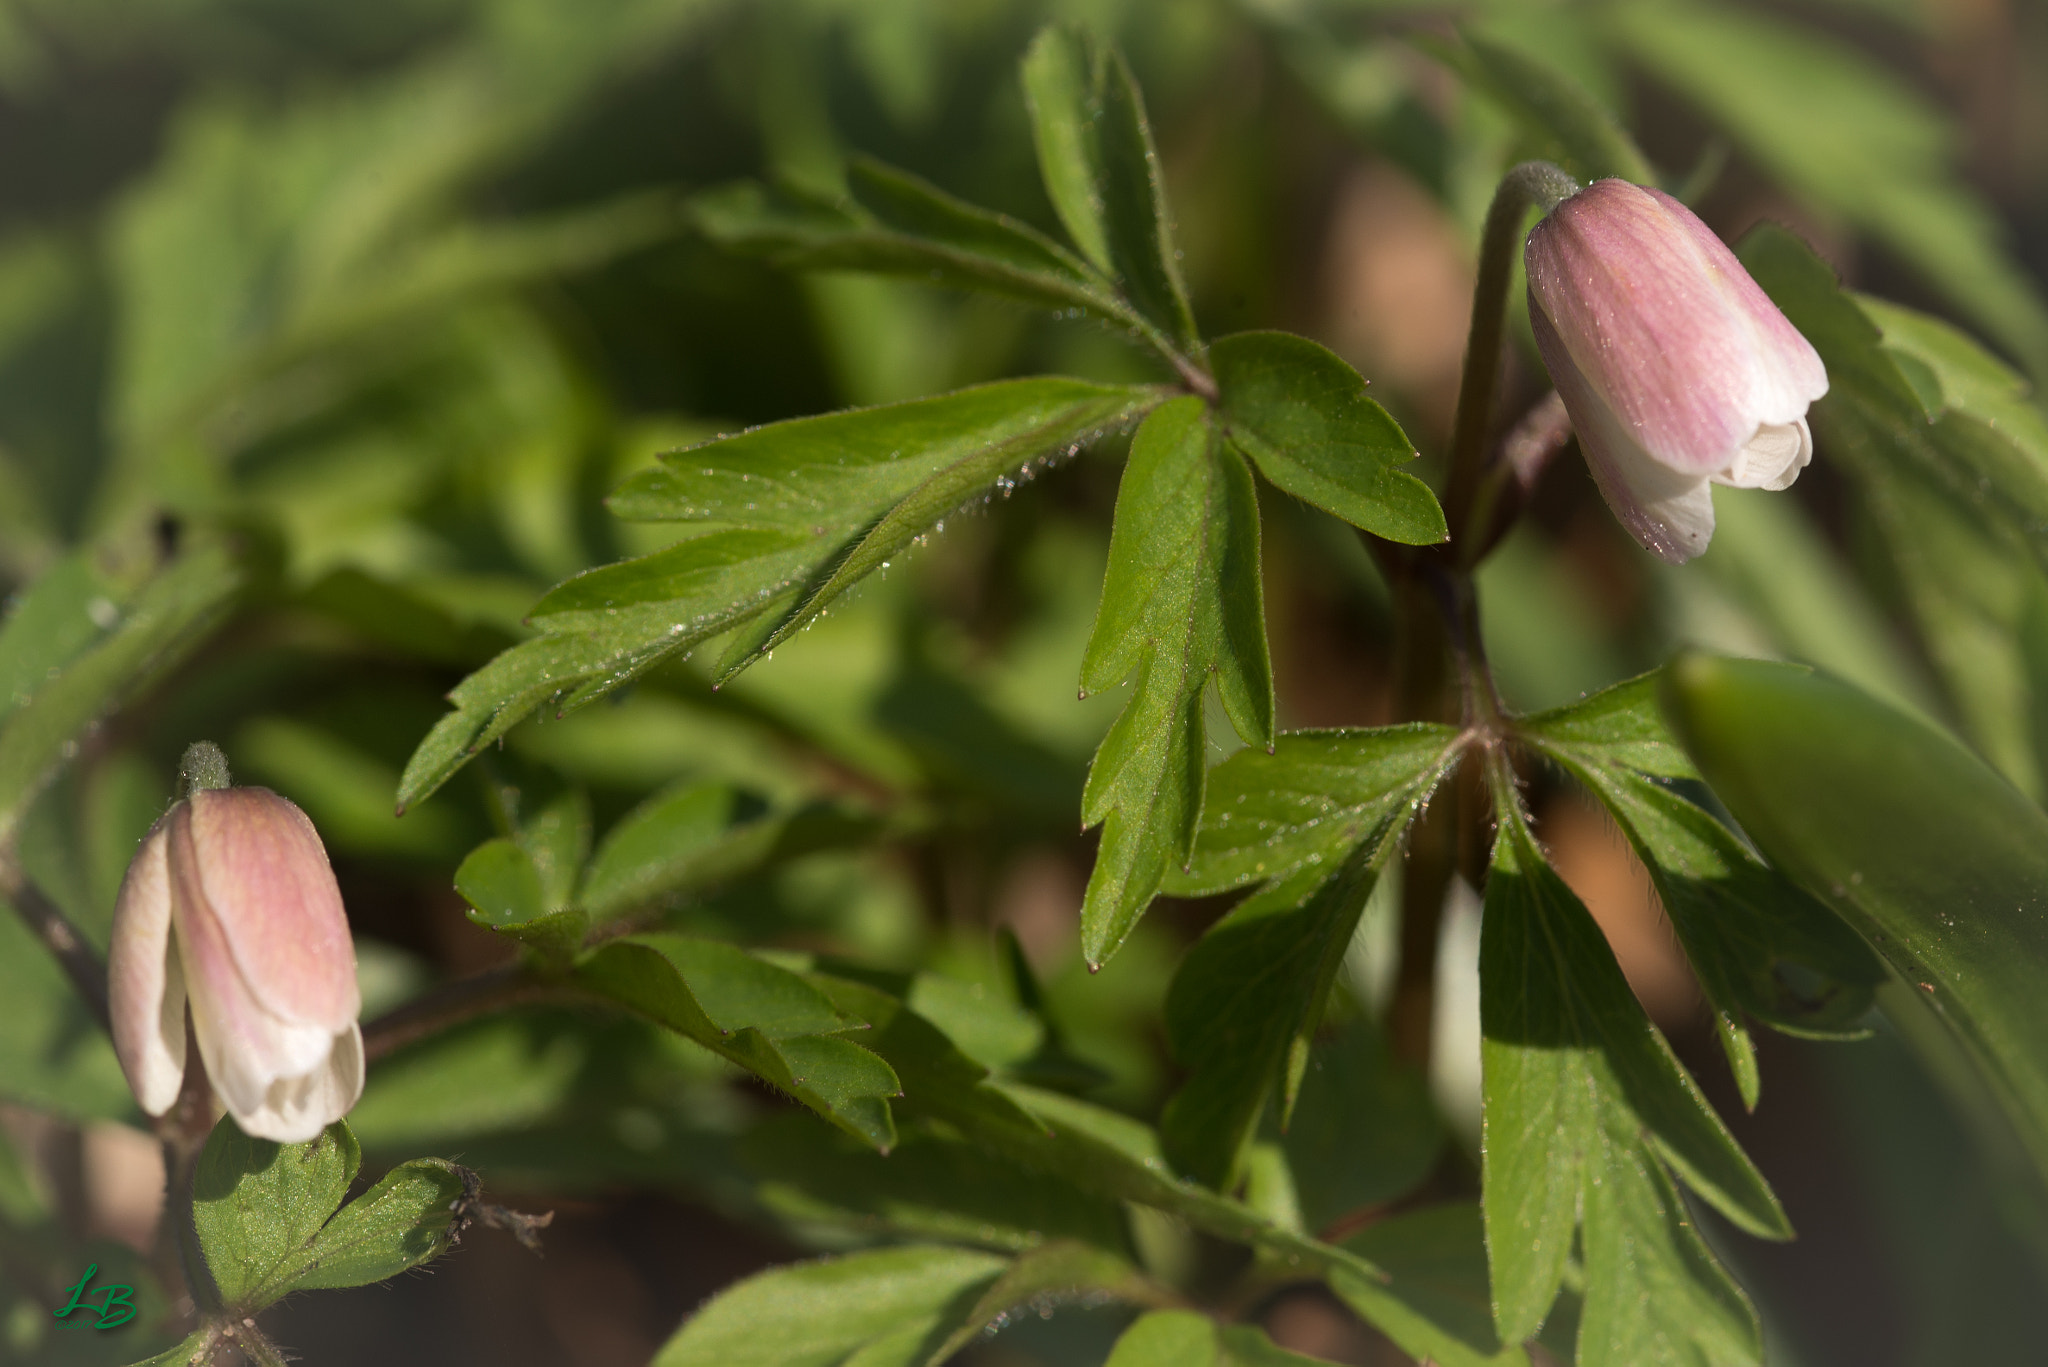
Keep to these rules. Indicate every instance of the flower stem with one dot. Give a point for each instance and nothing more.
(74, 953)
(1531, 185)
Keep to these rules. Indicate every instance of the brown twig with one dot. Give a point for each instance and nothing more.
(496, 989)
(63, 939)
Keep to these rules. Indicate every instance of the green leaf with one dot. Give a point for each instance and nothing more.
(502, 885)
(1583, 1097)
(1364, 1131)
(1849, 139)
(1317, 816)
(786, 517)
(403, 1221)
(1930, 855)
(1182, 599)
(899, 225)
(1167, 1338)
(1250, 995)
(1060, 83)
(1737, 919)
(166, 618)
(1307, 803)
(1300, 414)
(695, 835)
(939, 1079)
(818, 1314)
(1952, 467)
(258, 1206)
(763, 1018)
(53, 1055)
(1246, 1345)
(1102, 173)
(1044, 1277)
(930, 1186)
(1433, 1301)
(1568, 122)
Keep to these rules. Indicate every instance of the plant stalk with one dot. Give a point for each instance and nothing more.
(1469, 497)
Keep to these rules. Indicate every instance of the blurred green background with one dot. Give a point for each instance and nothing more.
(383, 297)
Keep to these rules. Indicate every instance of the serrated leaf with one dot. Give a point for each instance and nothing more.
(1167, 1338)
(900, 225)
(398, 1224)
(1565, 118)
(1433, 1302)
(1737, 918)
(1317, 818)
(1182, 600)
(764, 1018)
(1581, 1092)
(1308, 802)
(791, 515)
(818, 1314)
(1102, 173)
(257, 1206)
(166, 618)
(1301, 415)
(1930, 855)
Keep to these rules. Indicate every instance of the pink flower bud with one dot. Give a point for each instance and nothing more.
(1676, 368)
(230, 907)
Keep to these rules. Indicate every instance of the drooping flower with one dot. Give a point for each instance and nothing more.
(1677, 369)
(230, 907)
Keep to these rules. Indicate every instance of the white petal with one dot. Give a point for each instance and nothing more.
(292, 1110)
(1772, 458)
(146, 982)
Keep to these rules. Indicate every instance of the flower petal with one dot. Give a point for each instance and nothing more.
(269, 1070)
(1771, 459)
(265, 876)
(1686, 352)
(1670, 512)
(146, 982)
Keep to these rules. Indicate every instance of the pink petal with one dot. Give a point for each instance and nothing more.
(1687, 354)
(145, 981)
(264, 874)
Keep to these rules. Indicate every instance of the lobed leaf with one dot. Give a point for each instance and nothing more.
(1583, 1097)
(1102, 173)
(403, 1221)
(1301, 415)
(1182, 600)
(258, 1206)
(896, 224)
(789, 516)
(1738, 919)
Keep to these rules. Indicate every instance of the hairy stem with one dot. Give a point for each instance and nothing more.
(1531, 185)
